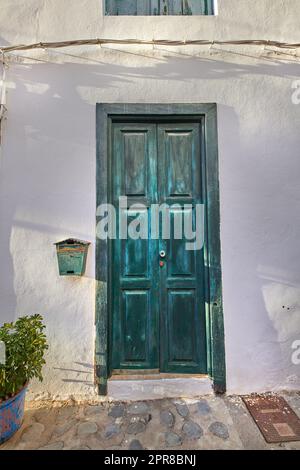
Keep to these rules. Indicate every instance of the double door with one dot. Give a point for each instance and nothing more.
(157, 282)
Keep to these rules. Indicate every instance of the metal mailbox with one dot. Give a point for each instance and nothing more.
(71, 257)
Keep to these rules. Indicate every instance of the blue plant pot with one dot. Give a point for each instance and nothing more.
(12, 415)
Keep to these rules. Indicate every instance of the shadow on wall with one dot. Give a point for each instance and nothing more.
(46, 163)
(251, 226)
(7, 277)
(87, 372)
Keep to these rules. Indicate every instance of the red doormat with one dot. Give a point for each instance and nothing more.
(274, 417)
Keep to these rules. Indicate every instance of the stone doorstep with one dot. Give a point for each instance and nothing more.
(150, 389)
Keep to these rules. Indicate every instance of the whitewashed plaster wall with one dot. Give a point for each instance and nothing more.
(47, 172)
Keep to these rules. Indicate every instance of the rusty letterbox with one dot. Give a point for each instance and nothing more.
(71, 257)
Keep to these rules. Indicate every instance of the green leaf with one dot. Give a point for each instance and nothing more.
(26, 344)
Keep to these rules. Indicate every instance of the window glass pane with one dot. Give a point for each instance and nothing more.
(158, 7)
(195, 7)
(171, 7)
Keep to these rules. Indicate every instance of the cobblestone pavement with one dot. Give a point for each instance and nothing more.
(204, 423)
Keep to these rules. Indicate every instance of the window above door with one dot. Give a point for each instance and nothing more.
(159, 7)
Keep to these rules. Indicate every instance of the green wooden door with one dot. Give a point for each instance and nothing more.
(158, 307)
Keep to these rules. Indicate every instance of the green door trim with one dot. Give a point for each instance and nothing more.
(207, 115)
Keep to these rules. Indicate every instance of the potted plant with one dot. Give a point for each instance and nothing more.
(25, 346)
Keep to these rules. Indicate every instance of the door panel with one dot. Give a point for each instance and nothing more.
(179, 154)
(134, 316)
(181, 262)
(158, 318)
(182, 320)
(135, 162)
(179, 164)
(135, 155)
(135, 253)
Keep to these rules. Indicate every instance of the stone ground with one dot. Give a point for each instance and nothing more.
(204, 423)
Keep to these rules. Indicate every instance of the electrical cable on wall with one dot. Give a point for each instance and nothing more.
(153, 42)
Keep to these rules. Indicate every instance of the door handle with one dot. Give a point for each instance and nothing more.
(162, 254)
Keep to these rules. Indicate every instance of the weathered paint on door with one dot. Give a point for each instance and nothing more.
(158, 306)
(135, 269)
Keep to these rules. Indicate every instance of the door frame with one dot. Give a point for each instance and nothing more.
(206, 114)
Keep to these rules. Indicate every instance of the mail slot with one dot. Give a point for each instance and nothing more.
(71, 257)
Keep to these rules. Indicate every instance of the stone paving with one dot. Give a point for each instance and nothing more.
(204, 423)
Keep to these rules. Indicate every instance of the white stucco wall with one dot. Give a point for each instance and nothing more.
(47, 172)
